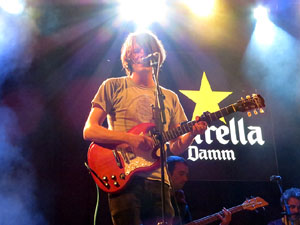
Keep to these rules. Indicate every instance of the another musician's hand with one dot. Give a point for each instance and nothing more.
(226, 218)
(199, 127)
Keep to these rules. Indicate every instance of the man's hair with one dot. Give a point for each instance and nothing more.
(289, 193)
(172, 160)
(146, 40)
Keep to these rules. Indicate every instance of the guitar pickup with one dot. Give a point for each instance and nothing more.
(117, 158)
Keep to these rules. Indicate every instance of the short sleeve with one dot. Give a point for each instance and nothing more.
(104, 96)
(179, 115)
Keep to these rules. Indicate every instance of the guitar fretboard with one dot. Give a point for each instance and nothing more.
(187, 127)
(215, 217)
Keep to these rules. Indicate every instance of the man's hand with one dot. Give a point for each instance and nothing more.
(199, 127)
(226, 218)
(141, 144)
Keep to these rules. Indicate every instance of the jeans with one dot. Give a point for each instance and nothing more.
(140, 203)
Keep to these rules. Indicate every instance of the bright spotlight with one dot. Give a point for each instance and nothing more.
(261, 13)
(264, 30)
(264, 33)
(13, 6)
(202, 8)
(143, 12)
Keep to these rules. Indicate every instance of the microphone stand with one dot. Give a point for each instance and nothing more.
(287, 207)
(160, 121)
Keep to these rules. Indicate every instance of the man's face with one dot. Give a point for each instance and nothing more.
(137, 56)
(138, 53)
(180, 175)
(294, 205)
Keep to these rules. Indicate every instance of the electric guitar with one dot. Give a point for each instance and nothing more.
(250, 204)
(112, 165)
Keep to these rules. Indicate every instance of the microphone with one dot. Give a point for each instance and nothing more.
(147, 60)
(275, 178)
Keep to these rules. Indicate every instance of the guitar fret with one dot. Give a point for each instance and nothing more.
(176, 132)
(173, 134)
(219, 114)
(188, 127)
(225, 111)
(226, 108)
(210, 118)
(229, 109)
(214, 116)
(156, 141)
(164, 137)
(168, 134)
(181, 130)
(185, 128)
(191, 126)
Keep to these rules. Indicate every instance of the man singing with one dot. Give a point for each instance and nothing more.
(127, 102)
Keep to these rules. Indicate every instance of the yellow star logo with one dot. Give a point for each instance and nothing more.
(206, 99)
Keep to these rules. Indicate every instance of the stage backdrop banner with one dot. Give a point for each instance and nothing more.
(236, 147)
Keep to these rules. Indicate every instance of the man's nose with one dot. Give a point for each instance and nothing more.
(185, 178)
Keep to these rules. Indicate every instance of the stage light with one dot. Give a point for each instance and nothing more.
(202, 8)
(261, 13)
(264, 33)
(13, 6)
(264, 30)
(143, 12)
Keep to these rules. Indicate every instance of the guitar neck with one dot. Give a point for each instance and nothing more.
(187, 127)
(214, 217)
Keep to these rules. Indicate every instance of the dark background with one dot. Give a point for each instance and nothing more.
(53, 63)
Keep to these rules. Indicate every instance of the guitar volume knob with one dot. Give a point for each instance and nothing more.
(116, 184)
(113, 177)
(104, 178)
(122, 176)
